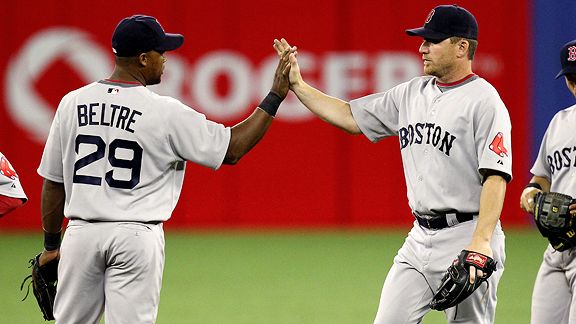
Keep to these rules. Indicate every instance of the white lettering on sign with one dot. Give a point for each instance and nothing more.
(25, 106)
(344, 75)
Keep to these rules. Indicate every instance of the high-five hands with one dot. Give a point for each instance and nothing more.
(282, 49)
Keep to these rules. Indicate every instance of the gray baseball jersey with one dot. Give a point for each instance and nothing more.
(556, 277)
(112, 144)
(449, 135)
(119, 149)
(445, 138)
(9, 181)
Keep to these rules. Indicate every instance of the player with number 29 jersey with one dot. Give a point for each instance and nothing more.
(98, 148)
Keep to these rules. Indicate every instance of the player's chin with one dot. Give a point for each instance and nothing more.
(428, 70)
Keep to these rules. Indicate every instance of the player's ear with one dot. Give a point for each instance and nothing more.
(143, 59)
(463, 47)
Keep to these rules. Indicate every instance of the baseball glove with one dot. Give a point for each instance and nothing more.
(553, 219)
(456, 286)
(44, 280)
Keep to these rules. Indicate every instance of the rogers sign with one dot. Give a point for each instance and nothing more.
(341, 74)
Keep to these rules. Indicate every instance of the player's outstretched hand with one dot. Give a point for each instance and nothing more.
(281, 83)
(282, 47)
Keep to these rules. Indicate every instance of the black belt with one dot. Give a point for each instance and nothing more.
(119, 221)
(444, 220)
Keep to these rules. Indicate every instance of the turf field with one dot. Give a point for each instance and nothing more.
(276, 277)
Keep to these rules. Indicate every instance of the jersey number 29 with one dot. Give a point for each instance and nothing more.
(134, 164)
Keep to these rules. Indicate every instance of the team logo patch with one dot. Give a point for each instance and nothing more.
(476, 259)
(571, 53)
(429, 16)
(497, 145)
(6, 169)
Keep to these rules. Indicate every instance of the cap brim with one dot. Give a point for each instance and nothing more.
(171, 42)
(566, 70)
(427, 33)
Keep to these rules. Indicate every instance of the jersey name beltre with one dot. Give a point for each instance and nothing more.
(428, 134)
(112, 116)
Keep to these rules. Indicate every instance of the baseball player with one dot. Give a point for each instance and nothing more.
(553, 296)
(454, 136)
(12, 194)
(113, 165)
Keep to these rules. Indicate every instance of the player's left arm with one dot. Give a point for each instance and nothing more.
(491, 202)
(245, 135)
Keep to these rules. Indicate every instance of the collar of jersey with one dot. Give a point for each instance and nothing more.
(455, 83)
(443, 87)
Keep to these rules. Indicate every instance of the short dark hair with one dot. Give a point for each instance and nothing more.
(471, 48)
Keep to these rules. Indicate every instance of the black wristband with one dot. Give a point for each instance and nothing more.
(271, 103)
(534, 185)
(52, 241)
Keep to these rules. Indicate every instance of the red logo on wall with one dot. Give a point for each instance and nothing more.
(497, 145)
(429, 16)
(6, 169)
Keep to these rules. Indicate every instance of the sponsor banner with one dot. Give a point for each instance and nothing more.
(304, 173)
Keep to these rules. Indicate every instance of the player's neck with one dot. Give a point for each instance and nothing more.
(457, 74)
(125, 75)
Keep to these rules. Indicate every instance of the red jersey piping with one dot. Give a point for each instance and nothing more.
(440, 84)
(126, 82)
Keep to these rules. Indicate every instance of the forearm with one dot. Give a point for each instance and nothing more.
(491, 202)
(247, 134)
(332, 110)
(543, 182)
(52, 206)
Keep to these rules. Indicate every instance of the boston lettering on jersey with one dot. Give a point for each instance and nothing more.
(112, 116)
(562, 158)
(426, 133)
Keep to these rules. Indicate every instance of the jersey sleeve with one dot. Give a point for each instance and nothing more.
(541, 167)
(492, 137)
(377, 114)
(51, 165)
(9, 181)
(195, 138)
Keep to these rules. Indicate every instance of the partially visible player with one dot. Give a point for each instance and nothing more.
(114, 165)
(454, 136)
(12, 194)
(553, 298)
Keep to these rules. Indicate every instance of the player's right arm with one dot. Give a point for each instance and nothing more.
(527, 196)
(332, 110)
(246, 134)
(52, 209)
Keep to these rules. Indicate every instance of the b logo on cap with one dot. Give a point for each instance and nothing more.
(429, 16)
(572, 53)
